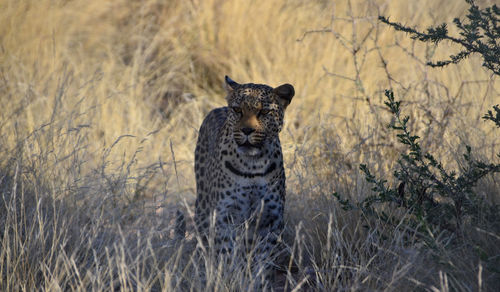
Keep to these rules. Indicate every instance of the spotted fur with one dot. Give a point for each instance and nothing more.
(240, 177)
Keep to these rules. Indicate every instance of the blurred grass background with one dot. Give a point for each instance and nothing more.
(112, 93)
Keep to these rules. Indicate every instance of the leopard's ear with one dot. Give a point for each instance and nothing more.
(230, 84)
(285, 93)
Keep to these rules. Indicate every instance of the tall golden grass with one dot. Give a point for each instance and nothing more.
(102, 101)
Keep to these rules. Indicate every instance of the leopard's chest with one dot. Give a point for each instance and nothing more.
(236, 173)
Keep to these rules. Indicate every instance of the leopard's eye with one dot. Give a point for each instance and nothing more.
(236, 109)
(263, 112)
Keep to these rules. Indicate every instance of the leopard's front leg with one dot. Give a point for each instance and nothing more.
(229, 219)
(269, 222)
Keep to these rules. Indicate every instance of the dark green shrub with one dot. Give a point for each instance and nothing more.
(479, 34)
(435, 199)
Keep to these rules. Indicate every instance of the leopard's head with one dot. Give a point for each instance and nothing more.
(256, 113)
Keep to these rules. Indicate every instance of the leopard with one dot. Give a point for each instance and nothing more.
(239, 170)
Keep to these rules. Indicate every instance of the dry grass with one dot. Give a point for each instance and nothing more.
(101, 104)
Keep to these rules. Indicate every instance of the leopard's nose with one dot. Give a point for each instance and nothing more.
(248, 131)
